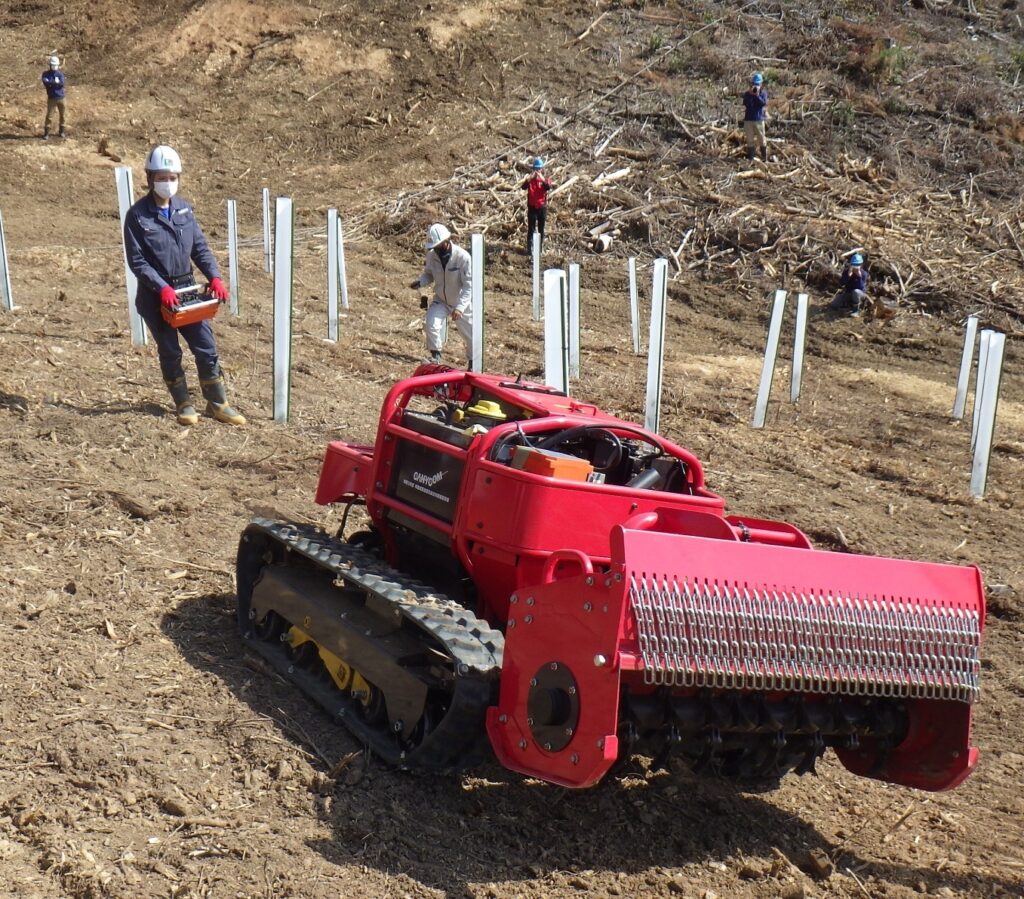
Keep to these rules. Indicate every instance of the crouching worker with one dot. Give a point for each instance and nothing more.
(852, 298)
(162, 239)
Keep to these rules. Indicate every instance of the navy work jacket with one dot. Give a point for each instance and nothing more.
(53, 81)
(754, 104)
(160, 249)
(851, 280)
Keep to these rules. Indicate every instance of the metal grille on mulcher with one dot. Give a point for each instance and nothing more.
(707, 634)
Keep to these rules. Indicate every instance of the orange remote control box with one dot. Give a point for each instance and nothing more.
(194, 307)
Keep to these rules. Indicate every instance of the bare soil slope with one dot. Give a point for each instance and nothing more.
(145, 752)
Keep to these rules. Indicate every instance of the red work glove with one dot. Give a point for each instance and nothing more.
(168, 297)
(218, 289)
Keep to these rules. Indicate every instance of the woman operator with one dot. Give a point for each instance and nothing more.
(162, 239)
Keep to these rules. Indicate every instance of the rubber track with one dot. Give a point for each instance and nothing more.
(475, 648)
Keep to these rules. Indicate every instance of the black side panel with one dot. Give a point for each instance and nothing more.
(424, 478)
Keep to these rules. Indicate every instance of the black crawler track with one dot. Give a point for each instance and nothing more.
(464, 653)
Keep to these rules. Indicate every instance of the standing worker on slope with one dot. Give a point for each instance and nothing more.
(53, 81)
(755, 99)
(536, 187)
(449, 267)
(162, 239)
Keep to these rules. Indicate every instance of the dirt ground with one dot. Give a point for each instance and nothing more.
(145, 752)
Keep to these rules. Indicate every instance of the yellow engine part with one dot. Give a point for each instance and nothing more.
(488, 409)
(345, 677)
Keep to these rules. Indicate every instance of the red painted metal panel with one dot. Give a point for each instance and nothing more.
(347, 472)
(572, 623)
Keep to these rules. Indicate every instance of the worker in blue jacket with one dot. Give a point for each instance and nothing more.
(755, 102)
(853, 285)
(53, 81)
(162, 239)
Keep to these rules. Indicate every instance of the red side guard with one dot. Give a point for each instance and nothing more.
(571, 627)
(346, 473)
(689, 613)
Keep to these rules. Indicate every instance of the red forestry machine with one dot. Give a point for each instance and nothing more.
(563, 582)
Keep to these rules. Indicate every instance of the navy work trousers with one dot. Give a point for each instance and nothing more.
(198, 336)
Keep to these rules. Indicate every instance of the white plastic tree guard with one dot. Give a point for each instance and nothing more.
(988, 401)
(233, 255)
(656, 345)
(342, 273)
(536, 276)
(123, 179)
(476, 246)
(634, 306)
(574, 320)
(337, 279)
(966, 361)
(333, 269)
(556, 343)
(268, 253)
(771, 352)
(283, 250)
(6, 298)
(799, 339)
(979, 383)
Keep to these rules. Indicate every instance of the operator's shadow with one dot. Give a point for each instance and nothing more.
(389, 354)
(492, 826)
(121, 407)
(13, 402)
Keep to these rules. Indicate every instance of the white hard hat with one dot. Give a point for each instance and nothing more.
(436, 234)
(163, 159)
(54, 60)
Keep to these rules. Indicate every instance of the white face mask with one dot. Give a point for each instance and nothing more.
(165, 189)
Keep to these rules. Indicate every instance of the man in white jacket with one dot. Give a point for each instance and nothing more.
(449, 267)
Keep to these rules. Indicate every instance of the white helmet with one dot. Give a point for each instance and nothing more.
(163, 159)
(436, 234)
(54, 60)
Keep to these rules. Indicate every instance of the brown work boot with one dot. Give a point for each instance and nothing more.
(178, 388)
(217, 402)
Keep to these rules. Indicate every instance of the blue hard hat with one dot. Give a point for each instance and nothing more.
(856, 259)
(538, 163)
(757, 78)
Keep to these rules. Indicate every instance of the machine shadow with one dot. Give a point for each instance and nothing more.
(416, 825)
